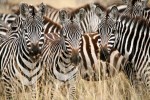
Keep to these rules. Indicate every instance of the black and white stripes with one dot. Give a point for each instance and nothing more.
(19, 54)
(132, 40)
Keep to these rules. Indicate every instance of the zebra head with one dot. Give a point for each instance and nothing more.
(33, 30)
(134, 7)
(139, 7)
(71, 32)
(105, 28)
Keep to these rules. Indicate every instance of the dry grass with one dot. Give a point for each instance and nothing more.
(116, 88)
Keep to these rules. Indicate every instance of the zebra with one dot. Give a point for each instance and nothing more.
(95, 68)
(20, 53)
(140, 9)
(61, 55)
(131, 40)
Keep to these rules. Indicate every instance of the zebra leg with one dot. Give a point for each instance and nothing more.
(147, 77)
(72, 87)
(10, 92)
(34, 92)
(72, 91)
(53, 89)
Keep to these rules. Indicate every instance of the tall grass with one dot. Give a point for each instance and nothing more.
(116, 88)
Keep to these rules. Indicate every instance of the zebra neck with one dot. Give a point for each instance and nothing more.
(128, 39)
(24, 53)
(121, 35)
(64, 61)
(63, 69)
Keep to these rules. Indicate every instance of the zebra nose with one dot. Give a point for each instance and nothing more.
(35, 50)
(75, 58)
(104, 54)
(104, 45)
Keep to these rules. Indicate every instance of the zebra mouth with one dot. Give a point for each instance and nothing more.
(35, 55)
(75, 60)
(104, 54)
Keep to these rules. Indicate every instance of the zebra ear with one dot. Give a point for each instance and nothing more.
(63, 16)
(92, 6)
(24, 9)
(98, 12)
(114, 12)
(81, 14)
(144, 3)
(42, 9)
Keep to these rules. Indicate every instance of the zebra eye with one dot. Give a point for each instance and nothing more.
(42, 29)
(25, 30)
(113, 31)
(13, 28)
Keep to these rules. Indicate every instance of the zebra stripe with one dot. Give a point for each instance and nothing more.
(61, 55)
(8, 18)
(90, 21)
(92, 68)
(132, 40)
(3, 31)
(20, 54)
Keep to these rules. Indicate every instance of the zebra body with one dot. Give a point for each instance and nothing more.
(96, 65)
(132, 40)
(61, 55)
(20, 54)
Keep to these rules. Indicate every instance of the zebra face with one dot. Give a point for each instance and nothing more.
(71, 33)
(138, 8)
(105, 27)
(33, 32)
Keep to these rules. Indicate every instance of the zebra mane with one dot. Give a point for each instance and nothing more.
(46, 19)
(140, 19)
(33, 11)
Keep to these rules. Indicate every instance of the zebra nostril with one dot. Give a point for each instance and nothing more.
(75, 59)
(104, 54)
(34, 49)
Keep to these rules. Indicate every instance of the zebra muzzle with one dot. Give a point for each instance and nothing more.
(75, 58)
(104, 54)
(35, 51)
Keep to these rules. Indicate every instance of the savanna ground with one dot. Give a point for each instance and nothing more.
(116, 88)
